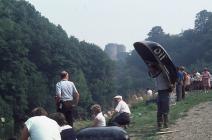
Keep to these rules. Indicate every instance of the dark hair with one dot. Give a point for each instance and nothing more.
(63, 74)
(39, 111)
(59, 118)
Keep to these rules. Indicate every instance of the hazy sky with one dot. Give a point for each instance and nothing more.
(120, 21)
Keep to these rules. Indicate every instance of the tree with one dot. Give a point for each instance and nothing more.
(156, 33)
(201, 20)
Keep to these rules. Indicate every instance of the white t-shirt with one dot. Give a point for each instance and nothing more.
(149, 92)
(101, 119)
(122, 107)
(65, 90)
(43, 128)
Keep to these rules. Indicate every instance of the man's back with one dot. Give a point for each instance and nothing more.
(43, 128)
(66, 89)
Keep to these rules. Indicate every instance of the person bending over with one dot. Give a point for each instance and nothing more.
(121, 115)
(40, 127)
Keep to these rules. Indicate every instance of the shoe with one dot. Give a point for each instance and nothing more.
(165, 125)
(159, 128)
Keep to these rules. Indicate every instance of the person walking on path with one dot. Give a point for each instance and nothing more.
(206, 80)
(67, 97)
(164, 89)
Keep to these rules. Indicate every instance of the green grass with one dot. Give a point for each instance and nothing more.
(143, 124)
(183, 106)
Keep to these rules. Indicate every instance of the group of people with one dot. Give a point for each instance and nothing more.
(201, 80)
(186, 81)
(59, 126)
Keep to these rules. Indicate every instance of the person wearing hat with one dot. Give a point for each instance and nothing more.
(67, 97)
(121, 115)
(99, 119)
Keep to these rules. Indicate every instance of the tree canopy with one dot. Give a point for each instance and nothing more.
(33, 51)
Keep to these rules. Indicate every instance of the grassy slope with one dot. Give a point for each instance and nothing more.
(143, 124)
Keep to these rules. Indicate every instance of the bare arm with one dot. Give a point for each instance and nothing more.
(76, 98)
(24, 133)
(114, 114)
(95, 122)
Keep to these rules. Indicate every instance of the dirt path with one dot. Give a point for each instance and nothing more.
(197, 125)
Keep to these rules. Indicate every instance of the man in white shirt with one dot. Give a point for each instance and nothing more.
(67, 97)
(121, 115)
(40, 127)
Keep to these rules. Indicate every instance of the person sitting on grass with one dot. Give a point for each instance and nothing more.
(121, 114)
(99, 119)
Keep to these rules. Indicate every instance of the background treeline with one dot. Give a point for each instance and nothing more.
(191, 48)
(33, 51)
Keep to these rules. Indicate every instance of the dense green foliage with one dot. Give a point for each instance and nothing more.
(32, 53)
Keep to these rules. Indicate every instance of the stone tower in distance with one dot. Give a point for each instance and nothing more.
(115, 51)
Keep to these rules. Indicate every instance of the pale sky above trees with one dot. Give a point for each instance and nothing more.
(120, 21)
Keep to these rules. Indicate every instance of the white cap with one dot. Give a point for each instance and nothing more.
(118, 97)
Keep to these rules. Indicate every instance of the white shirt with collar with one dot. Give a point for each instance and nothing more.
(122, 107)
(65, 90)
